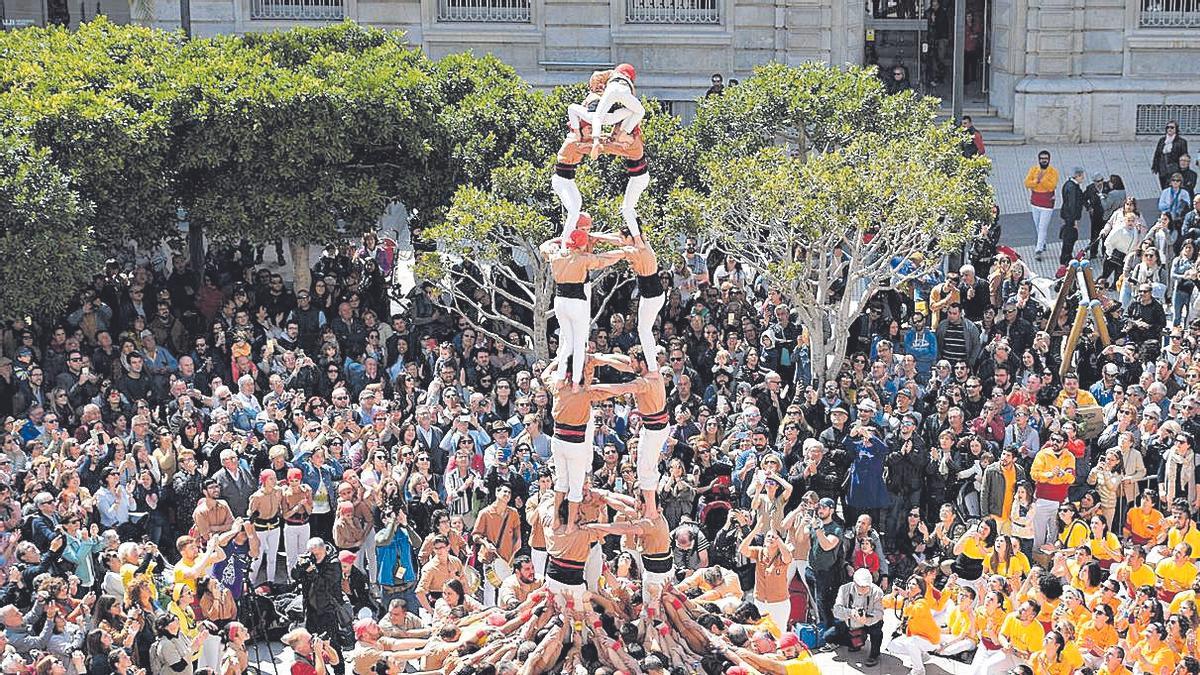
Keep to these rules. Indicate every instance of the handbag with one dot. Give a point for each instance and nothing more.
(857, 637)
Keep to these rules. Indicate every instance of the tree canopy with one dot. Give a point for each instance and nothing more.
(309, 133)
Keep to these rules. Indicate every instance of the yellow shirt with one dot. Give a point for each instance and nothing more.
(1102, 637)
(1145, 525)
(1048, 179)
(1045, 463)
(959, 624)
(802, 665)
(1175, 576)
(1162, 660)
(989, 624)
(1044, 664)
(1074, 535)
(1099, 546)
(1191, 538)
(1017, 564)
(1023, 637)
(919, 614)
(1047, 613)
(1180, 598)
(1010, 486)
(1142, 576)
(973, 549)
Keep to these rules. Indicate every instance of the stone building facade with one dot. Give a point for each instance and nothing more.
(1053, 70)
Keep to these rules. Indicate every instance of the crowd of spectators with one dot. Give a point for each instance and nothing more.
(172, 449)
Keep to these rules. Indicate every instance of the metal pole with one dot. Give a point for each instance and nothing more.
(960, 37)
(185, 17)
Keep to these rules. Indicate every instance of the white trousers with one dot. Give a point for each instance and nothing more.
(210, 653)
(988, 661)
(572, 201)
(779, 612)
(633, 192)
(268, 549)
(574, 324)
(489, 593)
(650, 445)
(653, 583)
(1045, 515)
(539, 558)
(593, 567)
(911, 649)
(952, 645)
(648, 309)
(563, 591)
(577, 112)
(1041, 222)
(614, 93)
(295, 541)
(571, 464)
(365, 560)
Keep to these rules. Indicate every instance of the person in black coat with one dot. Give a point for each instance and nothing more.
(1071, 212)
(320, 577)
(1171, 146)
(360, 595)
(1093, 203)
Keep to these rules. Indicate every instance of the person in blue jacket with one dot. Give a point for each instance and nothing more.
(867, 493)
(922, 344)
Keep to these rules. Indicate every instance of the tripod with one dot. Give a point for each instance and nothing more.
(259, 632)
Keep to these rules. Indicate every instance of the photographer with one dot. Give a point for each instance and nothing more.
(859, 613)
(320, 577)
(313, 654)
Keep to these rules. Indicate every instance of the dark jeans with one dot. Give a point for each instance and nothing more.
(824, 587)
(839, 634)
(1070, 235)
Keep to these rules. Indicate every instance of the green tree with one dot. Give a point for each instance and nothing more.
(46, 248)
(871, 205)
(96, 99)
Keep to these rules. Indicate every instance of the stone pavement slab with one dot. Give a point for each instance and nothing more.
(1130, 161)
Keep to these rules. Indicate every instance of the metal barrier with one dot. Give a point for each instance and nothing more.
(484, 11)
(673, 11)
(297, 10)
(1152, 118)
(1169, 14)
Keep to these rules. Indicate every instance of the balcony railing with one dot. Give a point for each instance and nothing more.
(297, 10)
(1152, 118)
(1169, 14)
(484, 11)
(673, 11)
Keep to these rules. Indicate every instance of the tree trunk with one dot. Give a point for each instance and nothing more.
(541, 322)
(300, 263)
(196, 251)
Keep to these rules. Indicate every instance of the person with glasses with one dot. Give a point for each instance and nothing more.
(1167, 153)
(1175, 201)
(1053, 473)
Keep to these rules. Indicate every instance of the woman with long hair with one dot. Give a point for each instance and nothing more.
(455, 603)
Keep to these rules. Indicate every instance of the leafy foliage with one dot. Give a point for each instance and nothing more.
(45, 254)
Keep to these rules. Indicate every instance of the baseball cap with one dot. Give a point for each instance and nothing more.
(1152, 411)
(146, 332)
(827, 503)
(862, 577)
(346, 556)
(868, 404)
(499, 425)
(1110, 369)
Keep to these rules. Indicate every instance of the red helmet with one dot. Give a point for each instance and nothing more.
(627, 70)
